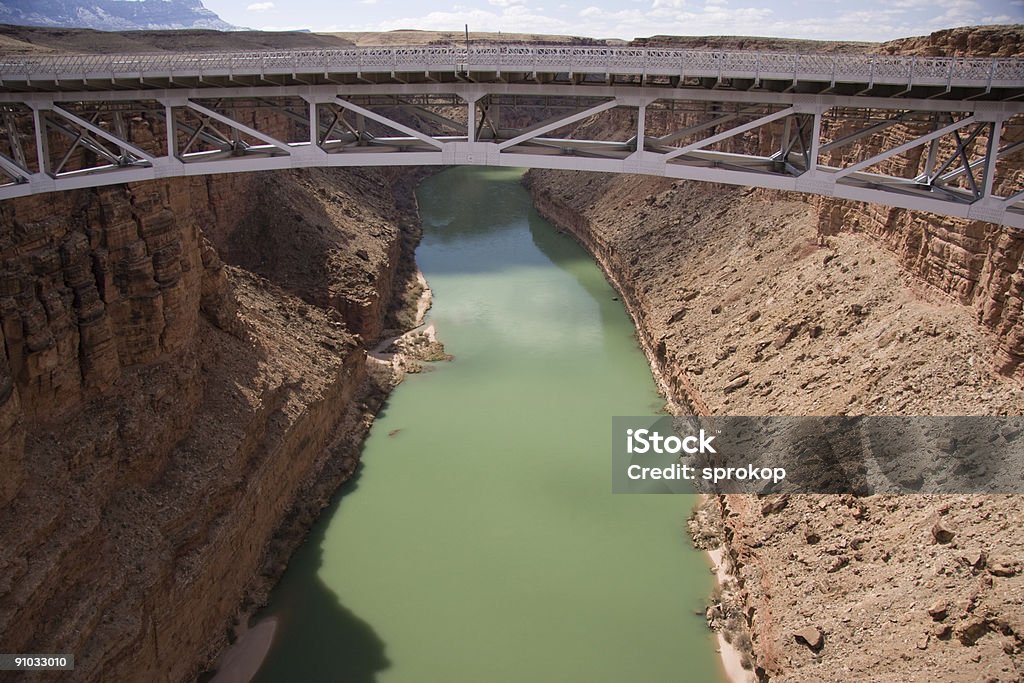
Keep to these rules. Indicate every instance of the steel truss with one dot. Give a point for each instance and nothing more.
(939, 154)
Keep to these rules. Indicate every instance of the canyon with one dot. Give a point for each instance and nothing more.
(184, 390)
(186, 382)
(777, 337)
(819, 307)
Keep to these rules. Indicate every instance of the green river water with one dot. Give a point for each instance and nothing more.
(480, 541)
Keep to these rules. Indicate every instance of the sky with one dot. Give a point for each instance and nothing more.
(872, 20)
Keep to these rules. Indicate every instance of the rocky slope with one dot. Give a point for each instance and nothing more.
(757, 302)
(163, 412)
(764, 315)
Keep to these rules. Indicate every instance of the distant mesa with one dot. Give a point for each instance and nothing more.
(112, 15)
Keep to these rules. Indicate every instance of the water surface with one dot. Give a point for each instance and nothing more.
(480, 541)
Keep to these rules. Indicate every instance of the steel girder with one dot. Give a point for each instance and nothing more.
(945, 156)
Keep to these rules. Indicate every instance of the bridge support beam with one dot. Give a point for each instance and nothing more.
(227, 130)
(237, 126)
(991, 157)
(362, 111)
(732, 132)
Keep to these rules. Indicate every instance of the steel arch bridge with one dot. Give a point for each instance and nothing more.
(931, 134)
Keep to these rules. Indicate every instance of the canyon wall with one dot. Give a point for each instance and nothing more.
(184, 370)
(744, 308)
(975, 263)
(753, 302)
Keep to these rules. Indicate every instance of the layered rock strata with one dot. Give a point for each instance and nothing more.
(163, 414)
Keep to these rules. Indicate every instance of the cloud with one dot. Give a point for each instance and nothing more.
(869, 20)
(260, 7)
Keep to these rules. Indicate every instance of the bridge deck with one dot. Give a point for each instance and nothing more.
(884, 75)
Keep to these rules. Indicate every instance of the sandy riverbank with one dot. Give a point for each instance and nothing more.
(240, 662)
(730, 656)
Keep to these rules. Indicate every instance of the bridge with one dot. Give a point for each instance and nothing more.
(923, 133)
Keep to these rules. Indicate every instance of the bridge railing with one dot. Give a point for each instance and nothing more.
(1007, 72)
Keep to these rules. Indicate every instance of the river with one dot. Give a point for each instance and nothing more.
(480, 541)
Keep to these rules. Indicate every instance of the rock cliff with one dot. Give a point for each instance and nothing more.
(754, 302)
(163, 413)
(184, 385)
(744, 309)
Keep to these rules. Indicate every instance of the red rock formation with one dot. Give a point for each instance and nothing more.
(161, 413)
(969, 41)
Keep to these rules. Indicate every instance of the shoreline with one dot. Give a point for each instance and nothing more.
(240, 661)
(728, 654)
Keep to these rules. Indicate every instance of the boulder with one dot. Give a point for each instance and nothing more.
(1003, 568)
(975, 559)
(811, 636)
(786, 335)
(774, 504)
(940, 534)
(938, 610)
(737, 382)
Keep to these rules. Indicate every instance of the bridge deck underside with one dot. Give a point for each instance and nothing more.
(811, 83)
